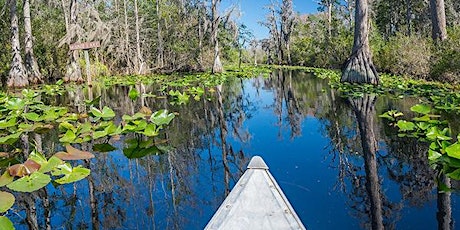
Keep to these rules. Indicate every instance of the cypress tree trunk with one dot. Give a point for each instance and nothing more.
(32, 69)
(17, 76)
(73, 73)
(217, 66)
(140, 60)
(438, 20)
(359, 67)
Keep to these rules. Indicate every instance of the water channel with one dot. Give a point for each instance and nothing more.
(339, 164)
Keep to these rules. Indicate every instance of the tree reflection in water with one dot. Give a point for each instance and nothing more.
(208, 147)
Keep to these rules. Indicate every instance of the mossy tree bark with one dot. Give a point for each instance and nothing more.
(73, 73)
(359, 68)
(32, 69)
(217, 66)
(17, 76)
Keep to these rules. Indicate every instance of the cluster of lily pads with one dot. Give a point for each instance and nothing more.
(444, 150)
(37, 172)
(27, 113)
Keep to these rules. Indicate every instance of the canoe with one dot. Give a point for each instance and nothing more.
(256, 202)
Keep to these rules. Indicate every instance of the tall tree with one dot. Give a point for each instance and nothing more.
(287, 24)
(17, 76)
(73, 72)
(141, 66)
(32, 69)
(359, 68)
(438, 20)
(217, 66)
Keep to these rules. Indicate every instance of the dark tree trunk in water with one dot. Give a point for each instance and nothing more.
(31, 65)
(444, 214)
(365, 112)
(359, 67)
(17, 76)
(73, 73)
(438, 20)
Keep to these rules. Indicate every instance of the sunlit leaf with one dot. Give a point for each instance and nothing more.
(6, 201)
(67, 126)
(150, 130)
(30, 183)
(10, 139)
(32, 117)
(38, 158)
(454, 150)
(433, 155)
(68, 137)
(425, 117)
(5, 223)
(6, 178)
(52, 163)
(162, 117)
(419, 108)
(76, 174)
(99, 134)
(405, 125)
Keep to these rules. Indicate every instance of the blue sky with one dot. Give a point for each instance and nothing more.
(253, 11)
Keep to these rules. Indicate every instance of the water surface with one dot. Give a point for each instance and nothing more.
(340, 165)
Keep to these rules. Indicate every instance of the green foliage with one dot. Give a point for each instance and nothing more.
(5, 223)
(405, 55)
(444, 152)
(446, 58)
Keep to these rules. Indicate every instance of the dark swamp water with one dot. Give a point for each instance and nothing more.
(340, 165)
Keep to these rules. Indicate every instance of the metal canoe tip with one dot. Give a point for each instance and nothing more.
(257, 163)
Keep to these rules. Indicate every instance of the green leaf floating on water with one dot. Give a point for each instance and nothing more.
(10, 139)
(32, 117)
(70, 174)
(52, 163)
(406, 125)
(419, 108)
(162, 117)
(454, 150)
(68, 137)
(8, 123)
(30, 183)
(6, 178)
(5, 223)
(6, 201)
(455, 174)
(106, 113)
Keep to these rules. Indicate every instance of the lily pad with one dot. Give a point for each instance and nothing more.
(30, 183)
(5, 223)
(6, 201)
(75, 174)
(454, 150)
(406, 125)
(6, 178)
(422, 109)
(162, 117)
